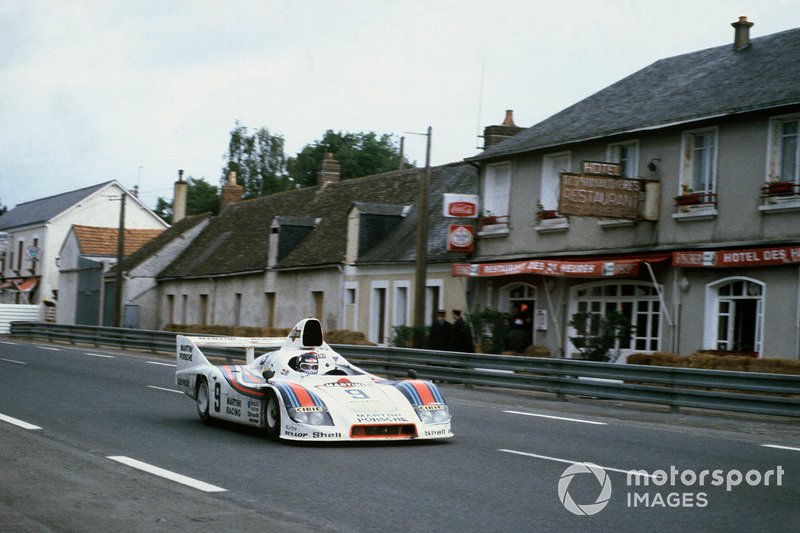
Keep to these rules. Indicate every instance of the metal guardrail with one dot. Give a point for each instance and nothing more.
(749, 392)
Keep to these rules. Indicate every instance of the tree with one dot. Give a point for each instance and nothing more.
(201, 197)
(491, 329)
(3, 209)
(359, 154)
(597, 334)
(258, 160)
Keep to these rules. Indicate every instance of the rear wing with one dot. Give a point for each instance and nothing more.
(188, 347)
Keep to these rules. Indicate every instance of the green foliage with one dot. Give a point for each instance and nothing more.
(359, 154)
(490, 328)
(3, 208)
(598, 334)
(201, 197)
(411, 336)
(258, 160)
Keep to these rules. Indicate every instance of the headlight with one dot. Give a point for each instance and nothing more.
(312, 416)
(434, 414)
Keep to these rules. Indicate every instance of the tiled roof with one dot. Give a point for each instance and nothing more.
(97, 241)
(237, 240)
(165, 237)
(705, 84)
(43, 209)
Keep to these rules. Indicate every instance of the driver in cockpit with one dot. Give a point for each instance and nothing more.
(307, 363)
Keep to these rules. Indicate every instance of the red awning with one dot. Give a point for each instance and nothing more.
(27, 285)
(583, 267)
(751, 257)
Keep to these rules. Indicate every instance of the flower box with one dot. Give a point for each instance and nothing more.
(689, 199)
(780, 188)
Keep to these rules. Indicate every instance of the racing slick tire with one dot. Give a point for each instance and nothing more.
(203, 402)
(272, 416)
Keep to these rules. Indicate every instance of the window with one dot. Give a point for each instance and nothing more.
(350, 320)
(269, 304)
(318, 300)
(699, 165)
(204, 309)
(170, 308)
(237, 309)
(636, 300)
(784, 164)
(497, 189)
(552, 166)
(184, 308)
(627, 155)
(400, 315)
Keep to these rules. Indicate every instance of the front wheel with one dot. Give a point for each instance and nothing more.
(272, 416)
(203, 400)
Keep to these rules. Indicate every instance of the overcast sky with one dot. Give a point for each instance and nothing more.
(134, 90)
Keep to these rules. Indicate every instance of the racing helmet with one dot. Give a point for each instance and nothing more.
(308, 363)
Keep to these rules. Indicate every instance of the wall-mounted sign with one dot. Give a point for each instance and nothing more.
(753, 257)
(603, 196)
(460, 205)
(605, 169)
(33, 252)
(460, 238)
(545, 267)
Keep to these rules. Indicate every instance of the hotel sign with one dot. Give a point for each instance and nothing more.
(753, 257)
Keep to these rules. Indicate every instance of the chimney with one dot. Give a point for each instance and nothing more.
(329, 170)
(495, 134)
(231, 192)
(179, 199)
(741, 38)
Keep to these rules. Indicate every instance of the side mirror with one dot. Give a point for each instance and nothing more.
(412, 373)
(268, 374)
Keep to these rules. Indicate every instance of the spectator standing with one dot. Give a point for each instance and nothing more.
(439, 338)
(460, 335)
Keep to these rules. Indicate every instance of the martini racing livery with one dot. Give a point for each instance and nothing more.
(303, 390)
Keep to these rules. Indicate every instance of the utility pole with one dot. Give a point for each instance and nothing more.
(117, 322)
(422, 248)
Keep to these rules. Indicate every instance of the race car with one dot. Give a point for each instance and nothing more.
(303, 390)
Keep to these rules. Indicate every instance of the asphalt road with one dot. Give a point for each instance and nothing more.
(82, 430)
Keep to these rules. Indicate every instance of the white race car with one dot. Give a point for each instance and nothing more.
(306, 391)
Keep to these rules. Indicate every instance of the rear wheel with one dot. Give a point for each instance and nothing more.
(202, 400)
(272, 416)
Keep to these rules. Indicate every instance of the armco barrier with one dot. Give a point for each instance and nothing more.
(773, 394)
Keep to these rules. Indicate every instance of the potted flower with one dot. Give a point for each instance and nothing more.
(688, 197)
(545, 214)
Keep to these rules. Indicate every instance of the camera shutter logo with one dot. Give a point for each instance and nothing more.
(589, 508)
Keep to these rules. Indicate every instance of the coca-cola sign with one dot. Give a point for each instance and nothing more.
(460, 205)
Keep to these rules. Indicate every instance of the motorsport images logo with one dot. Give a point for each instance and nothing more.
(587, 509)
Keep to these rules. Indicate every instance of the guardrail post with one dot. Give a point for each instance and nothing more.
(673, 406)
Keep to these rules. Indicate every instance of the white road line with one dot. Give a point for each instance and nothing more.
(173, 365)
(779, 447)
(9, 342)
(13, 361)
(17, 422)
(49, 348)
(567, 461)
(162, 388)
(558, 418)
(172, 476)
(106, 356)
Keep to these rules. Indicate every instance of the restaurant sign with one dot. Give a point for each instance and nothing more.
(753, 257)
(581, 269)
(596, 195)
